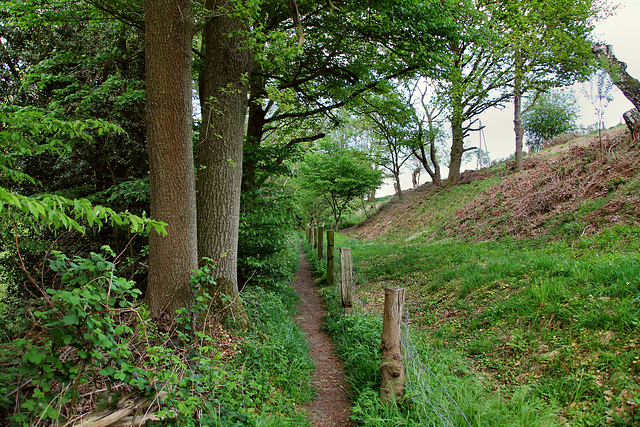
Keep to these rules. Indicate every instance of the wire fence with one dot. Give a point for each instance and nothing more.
(434, 404)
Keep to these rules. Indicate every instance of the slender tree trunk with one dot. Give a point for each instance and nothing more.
(396, 185)
(415, 177)
(172, 258)
(517, 111)
(436, 177)
(457, 146)
(434, 173)
(223, 97)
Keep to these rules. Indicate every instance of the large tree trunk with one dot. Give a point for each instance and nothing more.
(629, 85)
(223, 97)
(172, 258)
(255, 132)
(517, 111)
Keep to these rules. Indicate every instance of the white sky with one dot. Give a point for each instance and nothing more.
(623, 32)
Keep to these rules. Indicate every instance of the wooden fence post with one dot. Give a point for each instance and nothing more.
(320, 241)
(391, 367)
(306, 231)
(330, 268)
(346, 288)
(315, 237)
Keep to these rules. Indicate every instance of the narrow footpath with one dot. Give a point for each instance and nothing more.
(331, 405)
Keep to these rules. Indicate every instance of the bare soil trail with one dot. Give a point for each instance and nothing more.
(331, 405)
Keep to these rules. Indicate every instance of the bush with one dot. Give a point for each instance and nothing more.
(552, 114)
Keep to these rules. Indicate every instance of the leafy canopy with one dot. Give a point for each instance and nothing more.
(338, 175)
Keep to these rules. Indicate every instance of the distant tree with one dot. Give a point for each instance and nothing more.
(598, 91)
(629, 85)
(390, 117)
(428, 132)
(348, 50)
(338, 175)
(551, 114)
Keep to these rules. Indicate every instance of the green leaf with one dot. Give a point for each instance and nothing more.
(35, 356)
(70, 319)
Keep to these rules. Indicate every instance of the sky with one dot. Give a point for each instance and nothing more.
(620, 30)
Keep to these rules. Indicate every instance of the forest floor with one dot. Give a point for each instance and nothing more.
(330, 407)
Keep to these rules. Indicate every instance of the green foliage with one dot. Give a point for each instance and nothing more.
(551, 114)
(338, 175)
(93, 332)
(267, 252)
(84, 339)
(262, 385)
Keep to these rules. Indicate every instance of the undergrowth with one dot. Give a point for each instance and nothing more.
(91, 343)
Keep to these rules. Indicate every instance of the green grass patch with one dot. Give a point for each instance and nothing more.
(541, 317)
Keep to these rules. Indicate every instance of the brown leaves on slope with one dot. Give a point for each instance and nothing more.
(550, 189)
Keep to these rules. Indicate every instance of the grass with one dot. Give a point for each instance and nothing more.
(442, 390)
(556, 321)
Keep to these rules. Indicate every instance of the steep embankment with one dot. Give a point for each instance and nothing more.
(546, 318)
(571, 188)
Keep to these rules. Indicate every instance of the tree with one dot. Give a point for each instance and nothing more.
(548, 44)
(223, 89)
(338, 175)
(474, 80)
(599, 94)
(629, 85)
(172, 258)
(552, 114)
(428, 132)
(347, 52)
(390, 116)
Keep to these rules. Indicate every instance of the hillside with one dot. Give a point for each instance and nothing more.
(567, 189)
(523, 287)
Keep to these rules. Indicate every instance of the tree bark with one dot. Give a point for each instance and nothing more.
(172, 258)
(223, 98)
(632, 119)
(255, 131)
(517, 111)
(415, 177)
(629, 85)
(457, 146)
(396, 184)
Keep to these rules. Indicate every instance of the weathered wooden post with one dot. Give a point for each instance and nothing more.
(320, 241)
(315, 237)
(391, 367)
(346, 286)
(330, 272)
(307, 230)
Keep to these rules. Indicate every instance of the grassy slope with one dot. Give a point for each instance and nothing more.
(534, 277)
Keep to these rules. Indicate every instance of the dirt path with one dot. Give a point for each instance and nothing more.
(331, 405)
